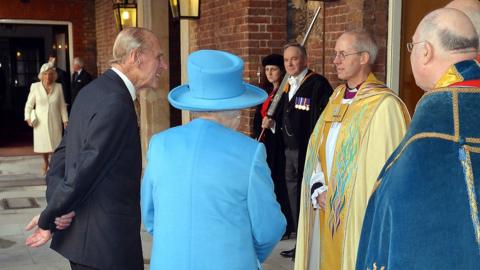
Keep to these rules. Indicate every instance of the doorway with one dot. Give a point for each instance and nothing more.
(412, 14)
(23, 50)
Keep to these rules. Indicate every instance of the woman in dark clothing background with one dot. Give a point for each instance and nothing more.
(274, 71)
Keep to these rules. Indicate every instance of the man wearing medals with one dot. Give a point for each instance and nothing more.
(362, 124)
(304, 99)
(423, 213)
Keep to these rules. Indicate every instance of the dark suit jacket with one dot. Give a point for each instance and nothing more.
(296, 124)
(78, 82)
(96, 172)
(64, 80)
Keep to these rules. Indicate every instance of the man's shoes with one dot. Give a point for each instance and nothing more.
(286, 236)
(288, 253)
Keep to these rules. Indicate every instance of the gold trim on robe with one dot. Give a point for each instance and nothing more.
(372, 127)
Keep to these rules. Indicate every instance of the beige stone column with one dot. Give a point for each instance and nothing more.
(184, 52)
(154, 107)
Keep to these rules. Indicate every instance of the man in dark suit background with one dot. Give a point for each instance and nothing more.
(80, 77)
(96, 170)
(297, 113)
(63, 79)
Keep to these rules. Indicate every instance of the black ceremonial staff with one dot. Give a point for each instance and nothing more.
(279, 93)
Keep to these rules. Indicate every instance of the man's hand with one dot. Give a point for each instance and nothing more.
(29, 122)
(321, 199)
(39, 236)
(65, 124)
(267, 122)
(64, 221)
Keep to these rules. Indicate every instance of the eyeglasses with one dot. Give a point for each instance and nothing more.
(341, 55)
(411, 44)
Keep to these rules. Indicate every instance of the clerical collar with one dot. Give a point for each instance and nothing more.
(351, 92)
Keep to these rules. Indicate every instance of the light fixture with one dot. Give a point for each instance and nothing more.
(125, 12)
(185, 9)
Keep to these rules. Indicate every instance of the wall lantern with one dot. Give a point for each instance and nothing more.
(125, 12)
(185, 9)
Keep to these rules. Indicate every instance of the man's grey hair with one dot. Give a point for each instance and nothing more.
(447, 39)
(78, 61)
(132, 38)
(301, 48)
(450, 41)
(364, 43)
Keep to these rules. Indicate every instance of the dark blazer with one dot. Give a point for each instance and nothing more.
(64, 80)
(78, 82)
(96, 172)
(297, 124)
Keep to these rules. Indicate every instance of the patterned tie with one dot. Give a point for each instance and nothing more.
(75, 74)
(293, 82)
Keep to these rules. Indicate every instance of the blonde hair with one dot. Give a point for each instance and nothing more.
(46, 67)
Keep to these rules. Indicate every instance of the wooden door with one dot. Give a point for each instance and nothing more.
(412, 13)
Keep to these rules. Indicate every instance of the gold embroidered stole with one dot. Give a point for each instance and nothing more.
(355, 118)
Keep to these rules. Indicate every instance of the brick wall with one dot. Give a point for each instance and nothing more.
(79, 12)
(336, 18)
(106, 33)
(250, 29)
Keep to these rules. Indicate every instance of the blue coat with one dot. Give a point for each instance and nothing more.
(207, 199)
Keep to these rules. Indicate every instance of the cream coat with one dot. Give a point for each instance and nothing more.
(51, 113)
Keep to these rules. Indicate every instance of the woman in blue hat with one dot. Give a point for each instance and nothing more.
(207, 195)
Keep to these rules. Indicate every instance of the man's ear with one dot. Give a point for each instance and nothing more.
(135, 56)
(427, 52)
(364, 58)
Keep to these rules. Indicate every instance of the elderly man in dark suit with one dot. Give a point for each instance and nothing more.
(63, 79)
(96, 170)
(300, 106)
(80, 77)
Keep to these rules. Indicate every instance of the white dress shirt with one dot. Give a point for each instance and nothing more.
(127, 82)
(295, 82)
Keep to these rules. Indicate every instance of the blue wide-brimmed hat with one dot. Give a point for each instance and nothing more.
(215, 84)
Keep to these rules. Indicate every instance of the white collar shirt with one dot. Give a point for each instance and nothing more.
(295, 82)
(127, 82)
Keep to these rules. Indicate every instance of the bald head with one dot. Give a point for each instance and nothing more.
(444, 37)
(448, 30)
(471, 8)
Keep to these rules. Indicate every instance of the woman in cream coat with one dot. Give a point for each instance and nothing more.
(45, 111)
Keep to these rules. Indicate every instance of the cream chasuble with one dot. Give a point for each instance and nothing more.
(371, 128)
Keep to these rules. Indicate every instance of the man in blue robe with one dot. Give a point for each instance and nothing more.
(423, 213)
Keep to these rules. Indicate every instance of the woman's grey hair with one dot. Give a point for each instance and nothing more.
(230, 118)
(364, 43)
(230, 114)
(46, 67)
(132, 38)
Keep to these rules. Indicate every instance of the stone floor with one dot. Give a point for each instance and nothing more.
(19, 178)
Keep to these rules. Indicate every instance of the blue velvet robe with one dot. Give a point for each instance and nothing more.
(424, 212)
